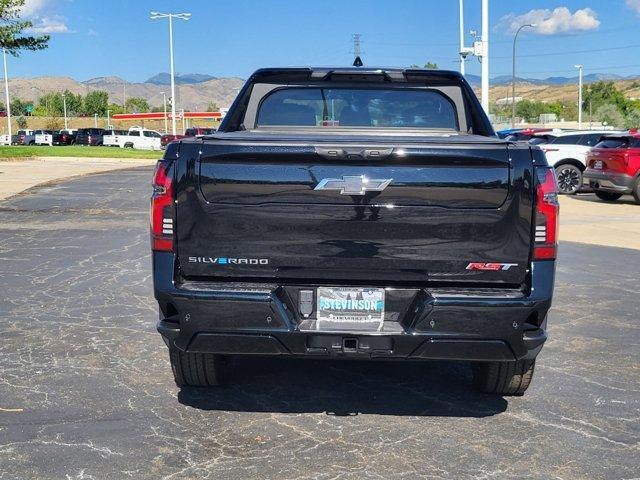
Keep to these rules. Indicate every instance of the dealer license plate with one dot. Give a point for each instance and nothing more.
(350, 305)
(597, 165)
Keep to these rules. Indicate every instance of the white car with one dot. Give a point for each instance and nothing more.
(136, 137)
(44, 137)
(566, 151)
(114, 138)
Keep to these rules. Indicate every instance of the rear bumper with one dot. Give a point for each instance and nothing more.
(245, 319)
(609, 181)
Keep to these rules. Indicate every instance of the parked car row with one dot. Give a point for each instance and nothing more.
(134, 137)
(189, 132)
(605, 161)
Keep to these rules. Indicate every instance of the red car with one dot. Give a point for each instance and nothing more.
(613, 166)
(190, 132)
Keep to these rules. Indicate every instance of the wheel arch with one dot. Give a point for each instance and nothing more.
(570, 161)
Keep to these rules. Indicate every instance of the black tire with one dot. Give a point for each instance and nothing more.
(569, 178)
(607, 196)
(503, 378)
(636, 191)
(197, 369)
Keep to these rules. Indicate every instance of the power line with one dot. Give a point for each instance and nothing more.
(591, 50)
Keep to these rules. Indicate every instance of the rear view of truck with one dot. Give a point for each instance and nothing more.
(350, 213)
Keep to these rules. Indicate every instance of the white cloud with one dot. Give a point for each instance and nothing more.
(33, 7)
(550, 22)
(634, 5)
(43, 23)
(47, 25)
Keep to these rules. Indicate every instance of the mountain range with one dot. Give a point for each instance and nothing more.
(590, 78)
(194, 91)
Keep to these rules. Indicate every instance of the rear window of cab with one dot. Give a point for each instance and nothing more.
(348, 107)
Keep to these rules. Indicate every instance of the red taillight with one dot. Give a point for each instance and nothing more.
(547, 215)
(162, 209)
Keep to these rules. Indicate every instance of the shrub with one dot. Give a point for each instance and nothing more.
(54, 123)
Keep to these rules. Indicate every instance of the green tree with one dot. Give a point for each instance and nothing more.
(632, 120)
(603, 93)
(96, 102)
(18, 107)
(137, 105)
(52, 103)
(115, 108)
(74, 102)
(530, 110)
(21, 121)
(11, 28)
(610, 114)
(428, 66)
(212, 107)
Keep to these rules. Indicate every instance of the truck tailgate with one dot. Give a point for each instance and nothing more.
(375, 213)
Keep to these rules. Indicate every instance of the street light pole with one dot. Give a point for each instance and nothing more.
(579, 67)
(484, 37)
(513, 74)
(64, 107)
(108, 118)
(461, 20)
(164, 102)
(95, 120)
(6, 92)
(171, 16)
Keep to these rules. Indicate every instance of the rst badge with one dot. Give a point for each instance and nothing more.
(490, 267)
(229, 260)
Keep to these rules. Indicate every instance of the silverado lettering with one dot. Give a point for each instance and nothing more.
(361, 200)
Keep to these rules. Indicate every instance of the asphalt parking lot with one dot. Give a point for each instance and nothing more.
(86, 390)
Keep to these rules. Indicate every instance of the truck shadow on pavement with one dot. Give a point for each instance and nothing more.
(345, 388)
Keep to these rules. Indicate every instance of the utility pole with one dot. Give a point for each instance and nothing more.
(64, 107)
(6, 92)
(108, 118)
(124, 97)
(164, 102)
(356, 44)
(357, 51)
(95, 120)
(462, 56)
(485, 57)
(170, 16)
(579, 67)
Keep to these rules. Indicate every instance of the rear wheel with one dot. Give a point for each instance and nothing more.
(197, 369)
(636, 191)
(503, 378)
(607, 196)
(569, 178)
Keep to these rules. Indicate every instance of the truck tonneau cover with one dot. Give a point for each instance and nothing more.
(395, 136)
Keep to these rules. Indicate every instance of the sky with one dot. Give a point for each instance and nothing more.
(93, 38)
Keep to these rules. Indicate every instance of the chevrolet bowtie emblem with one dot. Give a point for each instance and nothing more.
(354, 184)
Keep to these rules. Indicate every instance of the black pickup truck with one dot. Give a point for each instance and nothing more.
(355, 213)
